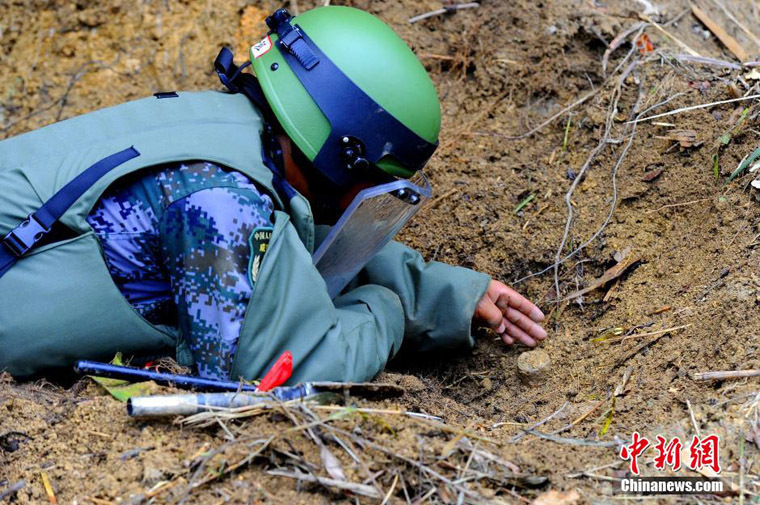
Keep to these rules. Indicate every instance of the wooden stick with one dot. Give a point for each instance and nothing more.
(647, 334)
(694, 107)
(361, 489)
(676, 205)
(717, 30)
(715, 376)
(738, 23)
(447, 9)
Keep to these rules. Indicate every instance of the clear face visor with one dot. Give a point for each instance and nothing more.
(374, 217)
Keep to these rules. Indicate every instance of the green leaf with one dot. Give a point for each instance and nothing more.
(120, 389)
(524, 203)
(744, 164)
(716, 168)
(124, 390)
(608, 421)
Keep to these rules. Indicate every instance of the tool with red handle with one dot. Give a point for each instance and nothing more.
(279, 373)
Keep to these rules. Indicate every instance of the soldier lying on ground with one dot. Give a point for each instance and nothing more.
(206, 215)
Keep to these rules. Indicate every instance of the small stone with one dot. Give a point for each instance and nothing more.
(487, 384)
(152, 476)
(532, 366)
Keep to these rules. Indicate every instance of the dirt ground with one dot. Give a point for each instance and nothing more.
(501, 70)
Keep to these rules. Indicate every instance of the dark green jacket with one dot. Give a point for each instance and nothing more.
(59, 304)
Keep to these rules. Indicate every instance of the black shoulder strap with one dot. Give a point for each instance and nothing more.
(237, 81)
(25, 236)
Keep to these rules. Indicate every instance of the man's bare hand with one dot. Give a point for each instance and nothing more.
(510, 315)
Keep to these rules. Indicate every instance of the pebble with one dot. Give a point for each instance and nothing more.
(533, 366)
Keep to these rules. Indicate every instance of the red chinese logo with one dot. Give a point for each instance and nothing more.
(633, 451)
(703, 453)
(668, 455)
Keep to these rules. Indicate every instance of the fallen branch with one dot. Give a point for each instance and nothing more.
(715, 376)
(361, 489)
(610, 275)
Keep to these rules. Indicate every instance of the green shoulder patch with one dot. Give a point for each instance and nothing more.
(259, 241)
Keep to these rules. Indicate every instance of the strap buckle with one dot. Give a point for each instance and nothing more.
(291, 38)
(22, 238)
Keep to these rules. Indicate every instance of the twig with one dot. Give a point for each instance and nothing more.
(390, 491)
(638, 349)
(647, 334)
(557, 412)
(584, 472)
(598, 149)
(676, 205)
(611, 274)
(669, 35)
(581, 418)
(693, 418)
(616, 42)
(353, 487)
(448, 9)
(439, 199)
(81, 71)
(609, 214)
(99, 501)
(423, 468)
(714, 376)
(573, 441)
(722, 35)
(705, 61)
(13, 489)
(551, 119)
(730, 16)
(695, 107)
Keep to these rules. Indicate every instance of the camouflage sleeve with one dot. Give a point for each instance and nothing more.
(205, 247)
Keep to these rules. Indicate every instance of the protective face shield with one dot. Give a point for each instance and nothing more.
(374, 217)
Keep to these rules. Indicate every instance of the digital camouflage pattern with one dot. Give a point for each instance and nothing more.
(176, 242)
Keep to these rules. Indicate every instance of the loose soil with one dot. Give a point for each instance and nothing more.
(500, 70)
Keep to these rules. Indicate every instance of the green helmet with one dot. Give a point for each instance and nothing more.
(348, 92)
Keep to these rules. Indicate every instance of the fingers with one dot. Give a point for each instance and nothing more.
(513, 332)
(490, 314)
(511, 298)
(525, 324)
